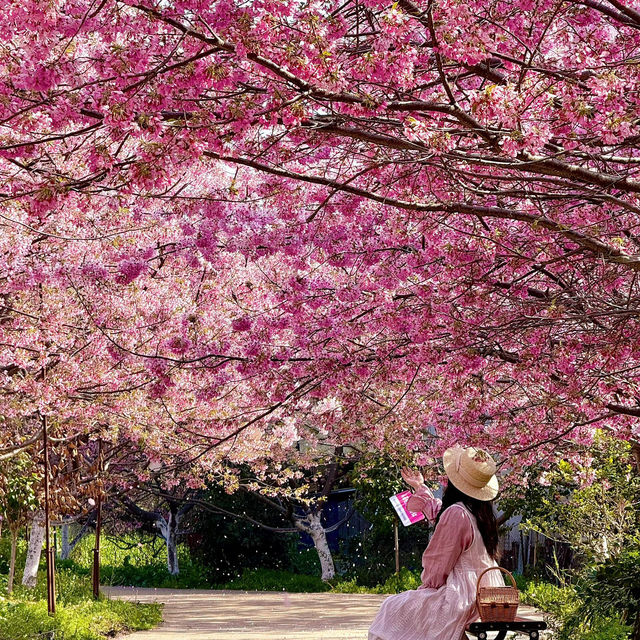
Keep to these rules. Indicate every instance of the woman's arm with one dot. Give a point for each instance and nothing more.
(422, 500)
(453, 535)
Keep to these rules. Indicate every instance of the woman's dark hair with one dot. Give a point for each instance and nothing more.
(483, 512)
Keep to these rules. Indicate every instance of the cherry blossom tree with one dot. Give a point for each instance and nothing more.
(230, 225)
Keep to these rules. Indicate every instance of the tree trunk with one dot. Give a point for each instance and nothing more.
(172, 552)
(169, 530)
(12, 561)
(319, 537)
(65, 549)
(68, 545)
(30, 575)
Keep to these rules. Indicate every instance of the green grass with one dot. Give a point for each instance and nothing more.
(139, 562)
(83, 620)
(24, 616)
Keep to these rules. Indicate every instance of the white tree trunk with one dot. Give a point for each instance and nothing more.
(319, 537)
(69, 544)
(30, 575)
(169, 530)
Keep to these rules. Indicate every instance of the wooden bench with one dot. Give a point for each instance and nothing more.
(519, 625)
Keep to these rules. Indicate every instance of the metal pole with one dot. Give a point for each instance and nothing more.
(397, 543)
(49, 551)
(96, 549)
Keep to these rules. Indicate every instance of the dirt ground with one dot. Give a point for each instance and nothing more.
(238, 615)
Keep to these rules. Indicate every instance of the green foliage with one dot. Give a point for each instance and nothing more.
(601, 523)
(18, 483)
(239, 544)
(5, 551)
(349, 586)
(607, 630)
(598, 519)
(303, 560)
(376, 477)
(395, 583)
(612, 589)
(559, 602)
(400, 582)
(567, 613)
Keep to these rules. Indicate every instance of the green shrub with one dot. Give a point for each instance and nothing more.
(568, 617)
(399, 582)
(559, 602)
(612, 589)
(303, 560)
(274, 580)
(349, 586)
(395, 583)
(239, 544)
(607, 629)
(522, 582)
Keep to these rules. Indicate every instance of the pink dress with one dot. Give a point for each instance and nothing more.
(444, 604)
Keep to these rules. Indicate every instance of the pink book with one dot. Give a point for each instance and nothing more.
(399, 502)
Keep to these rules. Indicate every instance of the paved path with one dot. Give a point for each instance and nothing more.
(238, 615)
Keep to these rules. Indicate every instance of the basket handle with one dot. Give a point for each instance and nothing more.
(513, 582)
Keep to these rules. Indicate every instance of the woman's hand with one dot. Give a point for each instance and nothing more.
(413, 478)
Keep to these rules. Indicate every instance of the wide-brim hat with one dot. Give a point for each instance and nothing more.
(472, 471)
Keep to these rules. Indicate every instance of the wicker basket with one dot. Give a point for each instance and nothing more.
(497, 604)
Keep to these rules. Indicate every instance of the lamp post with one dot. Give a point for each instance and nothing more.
(396, 545)
(96, 548)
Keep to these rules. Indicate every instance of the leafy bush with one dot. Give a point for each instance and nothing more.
(560, 602)
(349, 586)
(612, 589)
(274, 580)
(238, 543)
(398, 582)
(376, 477)
(303, 560)
(607, 630)
(395, 583)
(567, 614)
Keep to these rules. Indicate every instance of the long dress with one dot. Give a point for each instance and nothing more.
(444, 604)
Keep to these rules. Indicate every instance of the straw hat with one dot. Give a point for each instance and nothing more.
(472, 471)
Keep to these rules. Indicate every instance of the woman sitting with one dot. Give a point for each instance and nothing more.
(463, 545)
